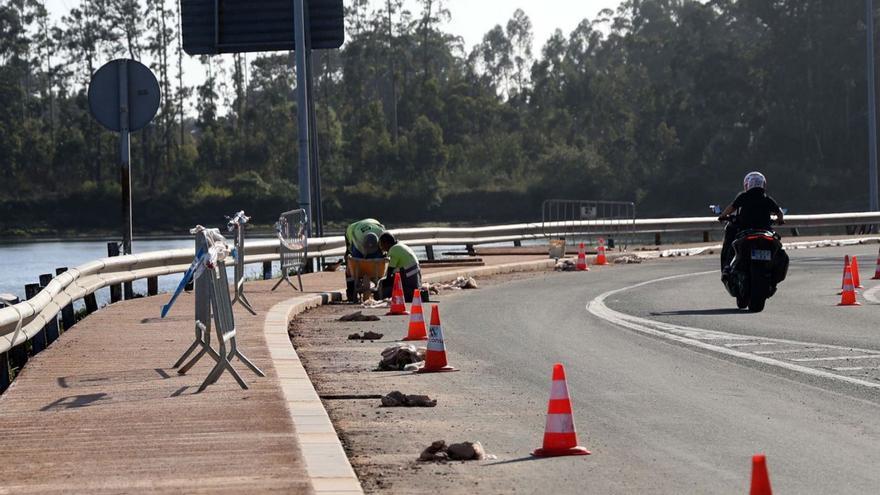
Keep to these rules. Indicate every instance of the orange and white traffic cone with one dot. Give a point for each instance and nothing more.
(877, 270)
(846, 265)
(582, 259)
(435, 357)
(398, 304)
(848, 297)
(417, 329)
(760, 478)
(560, 437)
(600, 256)
(854, 266)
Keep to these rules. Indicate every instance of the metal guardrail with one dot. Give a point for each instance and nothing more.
(23, 321)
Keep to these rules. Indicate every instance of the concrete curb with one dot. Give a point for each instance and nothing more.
(326, 462)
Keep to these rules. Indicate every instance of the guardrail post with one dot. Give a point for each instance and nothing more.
(795, 232)
(4, 372)
(38, 343)
(657, 239)
(91, 303)
(152, 286)
(68, 316)
(51, 329)
(8, 360)
(429, 252)
(517, 243)
(706, 236)
(267, 270)
(115, 290)
(470, 250)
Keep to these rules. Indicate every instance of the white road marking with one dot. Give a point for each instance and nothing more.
(870, 294)
(855, 368)
(688, 335)
(790, 351)
(835, 358)
(749, 343)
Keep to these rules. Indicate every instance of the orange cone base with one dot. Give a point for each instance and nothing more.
(436, 370)
(875, 277)
(583, 269)
(416, 338)
(393, 313)
(851, 304)
(556, 453)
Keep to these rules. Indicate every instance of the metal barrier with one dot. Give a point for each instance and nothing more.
(224, 322)
(212, 299)
(236, 226)
(23, 321)
(574, 220)
(292, 232)
(202, 316)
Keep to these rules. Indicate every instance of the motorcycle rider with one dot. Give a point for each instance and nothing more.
(753, 208)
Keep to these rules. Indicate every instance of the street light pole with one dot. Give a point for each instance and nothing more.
(872, 108)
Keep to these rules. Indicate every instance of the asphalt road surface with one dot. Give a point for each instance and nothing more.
(679, 406)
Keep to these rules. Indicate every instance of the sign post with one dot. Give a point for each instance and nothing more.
(302, 111)
(124, 97)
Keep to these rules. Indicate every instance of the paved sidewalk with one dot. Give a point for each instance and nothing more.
(102, 411)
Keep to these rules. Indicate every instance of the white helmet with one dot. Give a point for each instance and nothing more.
(753, 180)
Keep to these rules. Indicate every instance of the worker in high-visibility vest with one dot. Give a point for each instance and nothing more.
(361, 241)
(401, 259)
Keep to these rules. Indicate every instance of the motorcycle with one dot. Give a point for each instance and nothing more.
(759, 263)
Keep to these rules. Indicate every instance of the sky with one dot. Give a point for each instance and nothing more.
(471, 19)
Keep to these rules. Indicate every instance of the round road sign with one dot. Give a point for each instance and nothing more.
(143, 95)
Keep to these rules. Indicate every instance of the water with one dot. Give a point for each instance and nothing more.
(23, 263)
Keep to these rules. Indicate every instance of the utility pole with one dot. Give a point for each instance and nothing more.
(872, 109)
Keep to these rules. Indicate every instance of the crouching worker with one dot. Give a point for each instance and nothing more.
(361, 241)
(403, 260)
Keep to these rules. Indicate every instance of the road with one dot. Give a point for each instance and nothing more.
(659, 415)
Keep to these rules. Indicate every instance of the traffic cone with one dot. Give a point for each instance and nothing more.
(398, 304)
(877, 270)
(760, 478)
(843, 279)
(582, 259)
(417, 329)
(854, 266)
(560, 437)
(435, 357)
(848, 297)
(600, 256)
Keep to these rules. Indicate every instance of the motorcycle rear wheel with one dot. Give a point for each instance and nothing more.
(756, 305)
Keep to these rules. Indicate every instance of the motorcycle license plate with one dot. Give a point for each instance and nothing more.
(761, 254)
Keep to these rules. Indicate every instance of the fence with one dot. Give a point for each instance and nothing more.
(574, 220)
(30, 319)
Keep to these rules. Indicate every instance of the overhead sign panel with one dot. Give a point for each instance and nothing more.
(233, 26)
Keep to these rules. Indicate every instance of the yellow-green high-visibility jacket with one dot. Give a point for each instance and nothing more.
(355, 233)
(402, 257)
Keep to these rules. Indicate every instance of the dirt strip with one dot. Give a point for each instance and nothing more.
(384, 443)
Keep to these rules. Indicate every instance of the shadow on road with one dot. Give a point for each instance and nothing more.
(700, 312)
(519, 459)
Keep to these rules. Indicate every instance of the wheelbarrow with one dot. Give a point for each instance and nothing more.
(366, 273)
